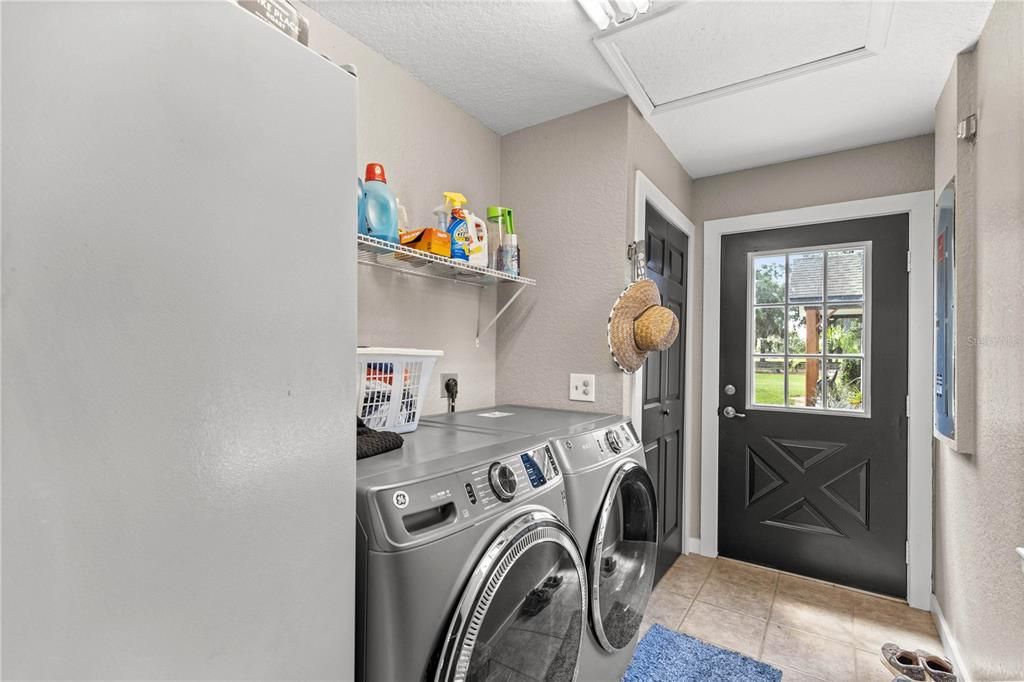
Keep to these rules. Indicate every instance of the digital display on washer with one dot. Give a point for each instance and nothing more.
(533, 470)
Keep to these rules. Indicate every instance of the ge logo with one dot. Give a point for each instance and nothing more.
(401, 499)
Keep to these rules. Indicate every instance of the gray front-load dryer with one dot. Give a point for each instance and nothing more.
(612, 512)
(466, 568)
(524, 421)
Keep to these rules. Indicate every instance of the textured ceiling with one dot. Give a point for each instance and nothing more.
(515, 63)
(510, 64)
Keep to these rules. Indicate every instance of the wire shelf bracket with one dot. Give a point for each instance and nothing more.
(494, 320)
(379, 253)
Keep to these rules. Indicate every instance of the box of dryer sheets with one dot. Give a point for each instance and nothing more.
(429, 239)
(282, 15)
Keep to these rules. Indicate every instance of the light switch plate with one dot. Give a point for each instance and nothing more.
(582, 387)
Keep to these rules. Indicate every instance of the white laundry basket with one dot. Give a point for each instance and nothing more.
(393, 386)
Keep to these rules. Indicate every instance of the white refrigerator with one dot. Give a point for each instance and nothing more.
(178, 346)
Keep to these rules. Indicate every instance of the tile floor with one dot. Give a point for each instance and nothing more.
(808, 629)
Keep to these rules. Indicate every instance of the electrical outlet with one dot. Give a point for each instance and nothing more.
(582, 387)
(444, 378)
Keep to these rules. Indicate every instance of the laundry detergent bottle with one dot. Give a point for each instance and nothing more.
(478, 254)
(378, 208)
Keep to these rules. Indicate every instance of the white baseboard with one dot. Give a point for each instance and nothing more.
(949, 642)
(693, 545)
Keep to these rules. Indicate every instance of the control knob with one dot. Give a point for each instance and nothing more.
(503, 481)
(613, 442)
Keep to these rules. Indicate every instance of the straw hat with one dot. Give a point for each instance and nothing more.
(639, 324)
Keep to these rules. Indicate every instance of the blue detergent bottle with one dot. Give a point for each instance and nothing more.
(378, 208)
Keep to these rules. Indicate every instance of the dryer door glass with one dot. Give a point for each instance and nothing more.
(623, 557)
(523, 613)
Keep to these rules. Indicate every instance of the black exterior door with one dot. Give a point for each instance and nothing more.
(813, 400)
(663, 387)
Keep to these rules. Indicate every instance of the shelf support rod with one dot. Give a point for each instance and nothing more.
(481, 332)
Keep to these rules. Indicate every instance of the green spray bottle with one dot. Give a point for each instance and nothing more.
(506, 255)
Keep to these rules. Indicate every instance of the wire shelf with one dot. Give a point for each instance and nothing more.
(380, 253)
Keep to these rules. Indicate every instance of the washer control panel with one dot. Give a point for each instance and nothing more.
(418, 510)
(509, 478)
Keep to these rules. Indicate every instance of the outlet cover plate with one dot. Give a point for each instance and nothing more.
(582, 387)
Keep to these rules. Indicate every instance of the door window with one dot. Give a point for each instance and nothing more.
(807, 336)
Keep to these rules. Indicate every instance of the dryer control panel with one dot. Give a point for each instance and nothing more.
(422, 510)
(581, 452)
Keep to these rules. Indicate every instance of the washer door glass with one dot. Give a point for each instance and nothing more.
(623, 556)
(523, 613)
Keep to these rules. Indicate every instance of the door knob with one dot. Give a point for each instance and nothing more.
(730, 412)
(666, 411)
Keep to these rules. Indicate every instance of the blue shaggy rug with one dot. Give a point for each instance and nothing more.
(667, 656)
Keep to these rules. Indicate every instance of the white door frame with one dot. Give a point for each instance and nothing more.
(920, 206)
(633, 387)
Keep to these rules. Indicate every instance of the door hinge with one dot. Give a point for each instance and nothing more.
(908, 407)
(908, 260)
(907, 555)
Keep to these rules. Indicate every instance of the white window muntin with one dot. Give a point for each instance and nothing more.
(785, 356)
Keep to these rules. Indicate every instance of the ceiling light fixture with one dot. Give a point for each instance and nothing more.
(606, 13)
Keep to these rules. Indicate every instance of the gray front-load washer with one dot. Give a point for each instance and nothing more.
(466, 567)
(612, 512)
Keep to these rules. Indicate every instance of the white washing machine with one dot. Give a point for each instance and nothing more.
(612, 513)
(466, 567)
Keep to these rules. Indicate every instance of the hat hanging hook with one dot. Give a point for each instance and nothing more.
(635, 254)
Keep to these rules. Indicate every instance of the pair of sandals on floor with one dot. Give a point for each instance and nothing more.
(919, 665)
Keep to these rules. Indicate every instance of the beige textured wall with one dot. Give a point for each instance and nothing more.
(566, 180)
(877, 170)
(571, 182)
(979, 497)
(427, 146)
(873, 171)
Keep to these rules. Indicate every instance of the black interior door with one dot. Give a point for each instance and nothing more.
(663, 387)
(812, 417)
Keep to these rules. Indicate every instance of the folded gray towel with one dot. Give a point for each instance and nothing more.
(370, 442)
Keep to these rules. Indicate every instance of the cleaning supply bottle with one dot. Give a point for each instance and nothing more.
(441, 217)
(378, 208)
(457, 226)
(495, 228)
(507, 253)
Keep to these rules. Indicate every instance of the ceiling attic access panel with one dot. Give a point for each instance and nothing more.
(700, 51)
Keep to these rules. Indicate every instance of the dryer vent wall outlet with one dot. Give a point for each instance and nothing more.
(582, 387)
